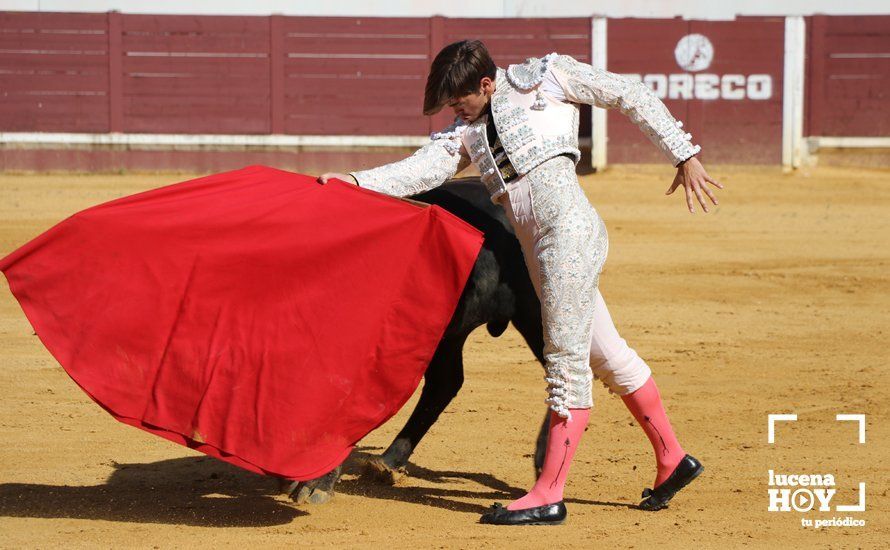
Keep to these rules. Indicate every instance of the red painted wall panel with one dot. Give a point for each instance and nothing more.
(53, 72)
(195, 74)
(732, 123)
(348, 76)
(848, 76)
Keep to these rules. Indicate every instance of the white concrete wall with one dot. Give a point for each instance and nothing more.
(691, 9)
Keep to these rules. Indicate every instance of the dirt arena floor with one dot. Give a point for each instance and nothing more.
(775, 302)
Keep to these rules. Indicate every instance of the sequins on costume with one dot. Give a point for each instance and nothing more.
(565, 243)
(428, 167)
(584, 84)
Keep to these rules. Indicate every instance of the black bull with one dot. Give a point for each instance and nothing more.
(499, 291)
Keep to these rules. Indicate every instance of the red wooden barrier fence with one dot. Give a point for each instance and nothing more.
(99, 73)
(243, 75)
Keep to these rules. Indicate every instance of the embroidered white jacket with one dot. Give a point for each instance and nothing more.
(533, 126)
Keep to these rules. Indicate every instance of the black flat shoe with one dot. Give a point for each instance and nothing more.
(655, 499)
(549, 514)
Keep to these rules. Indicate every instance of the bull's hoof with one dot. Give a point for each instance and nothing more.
(377, 470)
(287, 486)
(315, 491)
(305, 493)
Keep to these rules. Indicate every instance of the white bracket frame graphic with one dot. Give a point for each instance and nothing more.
(856, 418)
(772, 419)
(854, 507)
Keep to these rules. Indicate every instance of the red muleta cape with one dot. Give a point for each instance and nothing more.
(254, 315)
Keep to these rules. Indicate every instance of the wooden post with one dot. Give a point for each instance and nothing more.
(792, 98)
(599, 60)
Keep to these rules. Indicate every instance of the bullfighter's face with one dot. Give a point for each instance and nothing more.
(471, 106)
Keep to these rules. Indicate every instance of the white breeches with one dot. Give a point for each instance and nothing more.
(565, 243)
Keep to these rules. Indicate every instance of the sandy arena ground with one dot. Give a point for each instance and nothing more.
(776, 302)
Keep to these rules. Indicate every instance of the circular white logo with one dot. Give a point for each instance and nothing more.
(694, 52)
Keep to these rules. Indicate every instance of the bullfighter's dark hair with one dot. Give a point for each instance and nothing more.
(455, 72)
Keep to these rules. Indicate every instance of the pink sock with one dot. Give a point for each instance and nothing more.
(645, 404)
(564, 438)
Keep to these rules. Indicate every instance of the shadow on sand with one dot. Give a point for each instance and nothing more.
(202, 491)
(199, 491)
(441, 496)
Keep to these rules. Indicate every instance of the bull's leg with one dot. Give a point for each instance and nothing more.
(541, 444)
(442, 381)
(527, 321)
